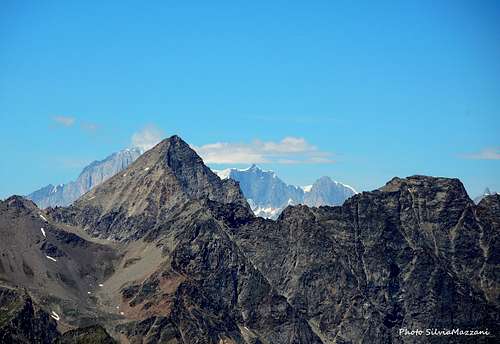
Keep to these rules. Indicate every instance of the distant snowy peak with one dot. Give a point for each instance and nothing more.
(223, 174)
(307, 188)
(92, 175)
(228, 172)
(486, 192)
(268, 195)
(326, 191)
(328, 180)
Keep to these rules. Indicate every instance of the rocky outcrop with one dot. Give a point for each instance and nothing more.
(192, 264)
(415, 254)
(87, 335)
(148, 193)
(58, 268)
(209, 292)
(22, 321)
(486, 192)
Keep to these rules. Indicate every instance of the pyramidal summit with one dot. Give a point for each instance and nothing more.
(165, 251)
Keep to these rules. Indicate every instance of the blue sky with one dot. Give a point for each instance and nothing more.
(359, 91)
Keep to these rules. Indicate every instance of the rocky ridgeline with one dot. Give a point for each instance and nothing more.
(417, 253)
(268, 195)
(92, 175)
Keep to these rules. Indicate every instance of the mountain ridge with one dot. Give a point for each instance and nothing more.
(93, 174)
(268, 195)
(166, 251)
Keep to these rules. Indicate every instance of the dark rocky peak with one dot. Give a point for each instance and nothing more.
(430, 199)
(22, 320)
(437, 190)
(416, 253)
(491, 201)
(488, 211)
(149, 191)
(425, 183)
(295, 211)
(18, 203)
(486, 192)
(169, 172)
(196, 179)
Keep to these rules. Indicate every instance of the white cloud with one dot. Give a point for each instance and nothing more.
(66, 121)
(290, 150)
(147, 137)
(485, 154)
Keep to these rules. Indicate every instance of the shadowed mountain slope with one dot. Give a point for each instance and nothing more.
(415, 254)
(170, 253)
(142, 197)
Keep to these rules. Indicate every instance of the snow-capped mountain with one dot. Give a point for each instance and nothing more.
(268, 195)
(487, 192)
(326, 191)
(92, 175)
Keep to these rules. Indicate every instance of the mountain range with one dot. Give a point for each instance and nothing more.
(268, 195)
(165, 251)
(487, 192)
(91, 176)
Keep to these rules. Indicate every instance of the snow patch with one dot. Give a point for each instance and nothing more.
(55, 316)
(53, 259)
(226, 173)
(223, 174)
(350, 188)
(266, 212)
(43, 217)
(307, 188)
(43, 232)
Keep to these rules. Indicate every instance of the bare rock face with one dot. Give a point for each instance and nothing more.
(22, 321)
(87, 335)
(415, 254)
(209, 292)
(148, 192)
(190, 263)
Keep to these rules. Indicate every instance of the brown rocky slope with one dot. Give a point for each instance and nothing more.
(189, 263)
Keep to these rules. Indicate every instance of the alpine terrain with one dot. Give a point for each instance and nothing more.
(92, 175)
(165, 251)
(268, 195)
(487, 192)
